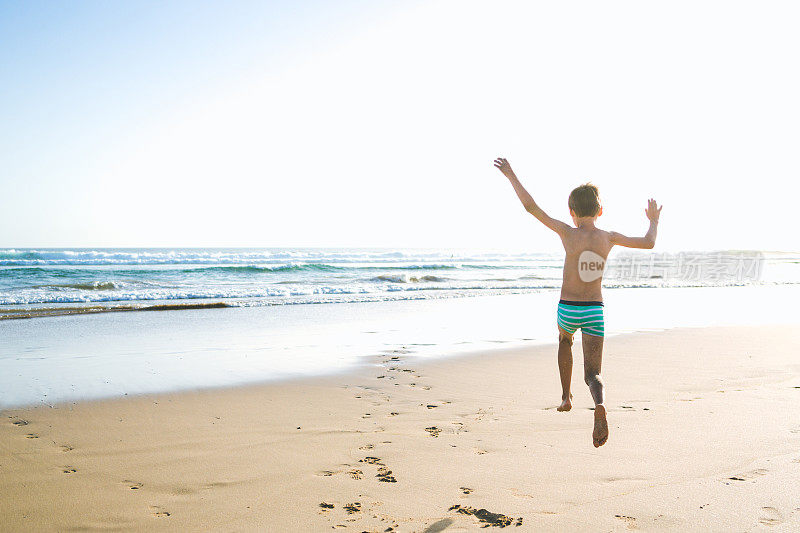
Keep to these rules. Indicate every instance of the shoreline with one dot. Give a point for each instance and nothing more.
(360, 369)
(113, 354)
(409, 443)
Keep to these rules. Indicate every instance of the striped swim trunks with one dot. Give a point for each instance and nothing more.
(588, 316)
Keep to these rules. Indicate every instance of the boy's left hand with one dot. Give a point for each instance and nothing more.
(653, 211)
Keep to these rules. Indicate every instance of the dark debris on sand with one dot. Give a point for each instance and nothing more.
(326, 505)
(488, 518)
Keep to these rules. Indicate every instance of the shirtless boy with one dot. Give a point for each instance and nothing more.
(581, 304)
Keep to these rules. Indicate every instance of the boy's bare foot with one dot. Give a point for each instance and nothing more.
(600, 433)
(566, 405)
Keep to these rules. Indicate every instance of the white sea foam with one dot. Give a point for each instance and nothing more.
(257, 277)
(19, 257)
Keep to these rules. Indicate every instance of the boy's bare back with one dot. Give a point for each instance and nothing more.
(586, 250)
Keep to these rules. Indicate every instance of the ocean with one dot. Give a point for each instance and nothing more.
(37, 282)
(235, 316)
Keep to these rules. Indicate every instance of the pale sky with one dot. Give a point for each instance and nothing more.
(366, 123)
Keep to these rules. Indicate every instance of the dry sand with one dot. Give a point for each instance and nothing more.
(705, 435)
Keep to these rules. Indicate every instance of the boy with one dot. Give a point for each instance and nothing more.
(581, 304)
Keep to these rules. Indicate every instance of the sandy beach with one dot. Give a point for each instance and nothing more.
(300, 267)
(705, 435)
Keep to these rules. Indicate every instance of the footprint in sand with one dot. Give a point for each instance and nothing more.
(159, 512)
(614, 479)
(20, 422)
(219, 484)
(630, 522)
(66, 448)
(68, 470)
(770, 516)
(486, 517)
(326, 506)
(479, 415)
(439, 525)
(133, 485)
(524, 495)
(353, 508)
(747, 476)
(354, 473)
(366, 447)
(385, 475)
(31, 436)
(465, 490)
(433, 431)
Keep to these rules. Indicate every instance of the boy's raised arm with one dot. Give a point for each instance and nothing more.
(649, 240)
(527, 200)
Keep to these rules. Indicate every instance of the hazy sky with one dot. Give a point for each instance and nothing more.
(366, 123)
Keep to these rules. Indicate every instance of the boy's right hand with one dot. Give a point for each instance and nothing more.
(502, 165)
(653, 211)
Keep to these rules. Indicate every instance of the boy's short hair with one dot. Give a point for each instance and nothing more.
(584, 200)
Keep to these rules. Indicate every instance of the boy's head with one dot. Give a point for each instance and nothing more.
(584, 201)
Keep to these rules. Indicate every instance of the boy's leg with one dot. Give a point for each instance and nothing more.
(592, 361)
(565, 368)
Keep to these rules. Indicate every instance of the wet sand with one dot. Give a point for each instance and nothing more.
(704, 435)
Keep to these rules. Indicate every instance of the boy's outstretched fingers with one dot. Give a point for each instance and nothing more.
(501, 164)
(652, 211)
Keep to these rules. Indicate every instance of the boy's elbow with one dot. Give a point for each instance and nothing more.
(649, 244)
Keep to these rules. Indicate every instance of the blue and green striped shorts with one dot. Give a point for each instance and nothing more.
(588, 316)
